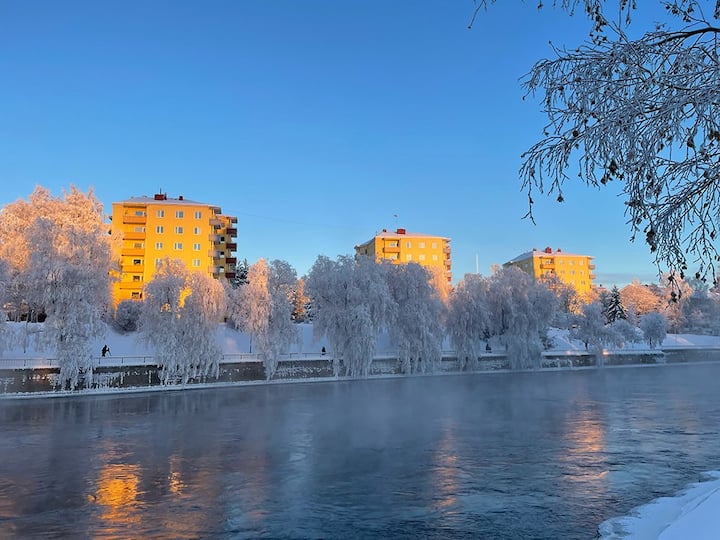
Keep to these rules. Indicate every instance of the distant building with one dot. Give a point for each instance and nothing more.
(151, 229)
(404, 247)
(575, 270)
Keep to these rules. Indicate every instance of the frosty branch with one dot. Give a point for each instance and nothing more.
(642, 111)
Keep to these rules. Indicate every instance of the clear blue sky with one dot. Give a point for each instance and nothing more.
(315, 122)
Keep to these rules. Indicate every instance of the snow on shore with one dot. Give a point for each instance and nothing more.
(693, 514)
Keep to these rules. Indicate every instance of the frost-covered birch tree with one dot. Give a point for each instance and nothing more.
(638, 106)
(179, 316)
(59, 254)
(415, 323)
(654, 328)
(351, 304)
(520, 311)
(263, 308)
(468, 320)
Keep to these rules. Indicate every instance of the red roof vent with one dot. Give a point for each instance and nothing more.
(548, 249)
(180, 197)
(401, 231)
(160, 197)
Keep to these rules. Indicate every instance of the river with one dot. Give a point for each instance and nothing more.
(546, 454)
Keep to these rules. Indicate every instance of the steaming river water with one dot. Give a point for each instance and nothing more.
(502, 455)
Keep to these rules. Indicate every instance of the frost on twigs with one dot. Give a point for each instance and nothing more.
(642, 111)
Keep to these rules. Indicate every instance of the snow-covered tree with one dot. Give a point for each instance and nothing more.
(639, 107)
(614, 309)
(300, 303)
(590, 328)
(641, 298)
(58, 250)
(520, 313)
(263, 308)
(654, 328)
(351, 304)
(621, 332)
(180, 313)
(415, 324)
(468, 321)
(127, 315)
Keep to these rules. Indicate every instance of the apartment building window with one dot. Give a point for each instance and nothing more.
(158, 245)
(139, 229)
(408, 257)
(138, 245)
(434, 245)
(198, 214)
(178, 230)
(392, 244)
(178, 246)
(139, 212)
(158, 263)
(161, 213)
(135, 295)
(421, 245)
(137, 262)
(196, 263)
(392, 256)
(421, 257)
(179, 214)
(571, 262)
(196, 247)
(581, 262)
(196, 230)
(435, 257)
(136, 278)
(408, 245)
(572, 272)
(159, 229)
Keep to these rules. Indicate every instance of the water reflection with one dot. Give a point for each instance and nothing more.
(546, 455)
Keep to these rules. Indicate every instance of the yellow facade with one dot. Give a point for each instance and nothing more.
(404, 247)
(575, 270)
(154, 228)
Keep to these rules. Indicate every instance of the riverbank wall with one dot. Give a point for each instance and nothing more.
(28, 377)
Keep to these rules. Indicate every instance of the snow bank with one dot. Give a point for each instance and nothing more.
(692, 514)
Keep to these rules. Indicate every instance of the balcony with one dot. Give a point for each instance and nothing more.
(448, 263)
(231, 260)
(215, 222)
(591, 266)
(230, 275)
(232, 246)
(231, 231)
(215, 270)
(133, 235)
(593, 276)
(132, 218)
(130, 251)
(549, 266)
(446, 249)
(214, 238)
(214, 253)
(131, 268)
(391, 249)
(130, 285)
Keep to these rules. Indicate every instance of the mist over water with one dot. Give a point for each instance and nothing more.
(504, 455)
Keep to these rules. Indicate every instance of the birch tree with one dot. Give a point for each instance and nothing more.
(351, 304)
(415, 323)
(468, 321)
(180, 313)
(640, 108)
(263, 308)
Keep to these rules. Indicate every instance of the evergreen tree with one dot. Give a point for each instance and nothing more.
(614, 309)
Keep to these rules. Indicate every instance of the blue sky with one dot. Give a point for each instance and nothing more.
(314, 122)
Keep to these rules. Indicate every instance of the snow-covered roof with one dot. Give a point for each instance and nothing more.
(402, 233)
(545, 253)
(180, 201)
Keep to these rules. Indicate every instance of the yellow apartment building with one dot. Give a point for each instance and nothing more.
(575, 270)
(151, 229)
(404, 247)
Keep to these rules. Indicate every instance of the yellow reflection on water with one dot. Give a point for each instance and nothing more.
(117, 494)
(445, 471)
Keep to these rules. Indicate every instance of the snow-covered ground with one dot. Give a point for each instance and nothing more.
(694, 513)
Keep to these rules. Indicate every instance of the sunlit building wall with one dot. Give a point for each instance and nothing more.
(404, 247)
(154, 228)
(572, 269)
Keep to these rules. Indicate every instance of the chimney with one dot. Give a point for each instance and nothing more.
(401, 231)
(548, 249)
(160, 197)
(180, 197)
